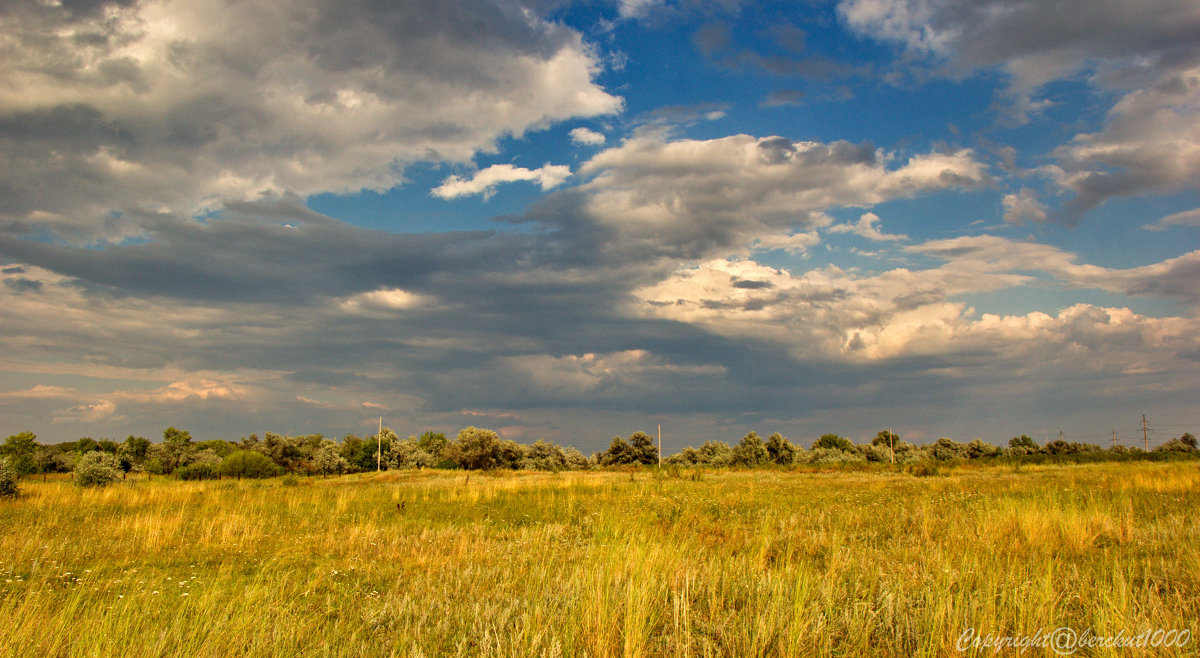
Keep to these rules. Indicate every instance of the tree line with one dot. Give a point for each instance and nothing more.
(97, 462)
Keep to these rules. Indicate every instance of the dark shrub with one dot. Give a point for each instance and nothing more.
(8, 479)
(247, 464)
(197, 471)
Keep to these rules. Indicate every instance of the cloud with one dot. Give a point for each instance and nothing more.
(834, 315)
(1150, 143)
(687, 198)
(484, 181)
(795, 243)
(587, 137)
(184, 106)
(636, 8)
(1152, 59)
(866, 228)
(783, 97)
(1034, 42)
(1185, 218)
(1174, 278)
(1023, 206)
(41, 391)
(103, 410)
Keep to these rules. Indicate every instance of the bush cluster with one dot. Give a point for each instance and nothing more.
(96, 463)
(97, 469)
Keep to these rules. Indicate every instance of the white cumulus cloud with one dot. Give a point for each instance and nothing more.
(485, 181)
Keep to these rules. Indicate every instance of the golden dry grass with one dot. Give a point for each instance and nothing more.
(599, 564)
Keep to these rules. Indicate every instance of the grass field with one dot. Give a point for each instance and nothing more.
(435, 563)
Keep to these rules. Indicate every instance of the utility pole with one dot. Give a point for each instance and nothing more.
(1145, 435)
(660, 445)
(891, 448)
(1114, 439)
(379, 447)
(1060, 436)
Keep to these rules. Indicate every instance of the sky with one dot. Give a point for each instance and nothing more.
(570, 221)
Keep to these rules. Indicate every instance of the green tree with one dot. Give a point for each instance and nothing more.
(409, 454)
(177, 446)
(475, 448)
(97, 469)
(21, 450)
(946, 449)
(283, 450)
(780, 450)
(833, 442)
(8, 479)
(543, 455)
(643, 448)
(887, 439)
(247, 464)
(751, 451)
(432, 442)
(136, 447)
(715, 453)
(619, 453)
(1023, 445)
(978, 449)
(326, 459)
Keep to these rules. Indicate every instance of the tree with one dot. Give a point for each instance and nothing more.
(643, 448)
(1023, 445)
(1188, 439)
(544, 456)
(833, 442)
(978, 448)
(97, 469)
(946, 449)
(136, 447)
(21, 450)
(247, 464)
(432, 442)
(475, 448)
(284, 451)
(327, 460)
(409, 454)
(715, 453)
(177, 445)
(8, 479)
(751, 451)
(619, 453)
(780, 450)
(887, 439)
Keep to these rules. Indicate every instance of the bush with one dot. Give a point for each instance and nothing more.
(97, 469)
(477, 449)
(8, 480)
(247, 464)
(409, 454)
(879, 453)
(751, 451)
(820, 456)
(921, 470)
(833, 442)
(197, 471)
